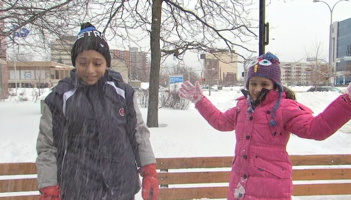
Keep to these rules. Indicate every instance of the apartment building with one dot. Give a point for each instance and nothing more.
(341, 51)
(304, 74)
(3, 80)
(61, 50)
(220, 67)
(135, 61)
(295, 73)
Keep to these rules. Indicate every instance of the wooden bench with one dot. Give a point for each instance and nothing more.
(204, 177)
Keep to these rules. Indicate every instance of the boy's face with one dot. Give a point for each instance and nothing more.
(256, 83)
(91, 66)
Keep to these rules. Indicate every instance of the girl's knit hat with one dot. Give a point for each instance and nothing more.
(267, 66)
(90, 39)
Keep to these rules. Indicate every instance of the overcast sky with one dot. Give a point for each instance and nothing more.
(297, 26)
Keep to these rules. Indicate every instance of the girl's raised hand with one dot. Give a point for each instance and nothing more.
(348, 90)
(191, 92)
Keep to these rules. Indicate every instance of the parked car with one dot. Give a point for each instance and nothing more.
(323, 89)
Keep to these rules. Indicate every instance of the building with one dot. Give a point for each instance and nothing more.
(341, 51)
(121, 62)
(138, 65)
(135, 61)
(121, 67)
(3, 79)
(36, 74)
(304, 74)
(293, 73)
(61, 50)
(220, 68)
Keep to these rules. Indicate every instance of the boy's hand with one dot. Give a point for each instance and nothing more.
(191, 92)
(50, 193)
(150, 183)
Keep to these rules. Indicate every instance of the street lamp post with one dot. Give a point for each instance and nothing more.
(331, 48)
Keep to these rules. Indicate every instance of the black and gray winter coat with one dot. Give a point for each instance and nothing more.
(92, 139)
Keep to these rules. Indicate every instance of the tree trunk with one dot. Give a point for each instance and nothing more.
(152, 115)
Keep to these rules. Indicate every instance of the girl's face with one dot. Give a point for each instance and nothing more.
(256, 83)
(91, 66)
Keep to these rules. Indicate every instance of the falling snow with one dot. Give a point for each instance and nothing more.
(181, 133)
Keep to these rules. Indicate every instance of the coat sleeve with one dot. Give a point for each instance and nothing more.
(46, 160)
(222, 121)
(302, 123)
(142, 135)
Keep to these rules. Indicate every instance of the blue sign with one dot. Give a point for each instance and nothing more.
(175, 79)
(22, 32)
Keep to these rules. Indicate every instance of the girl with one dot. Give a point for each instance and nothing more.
(263, 120)
(92, 137)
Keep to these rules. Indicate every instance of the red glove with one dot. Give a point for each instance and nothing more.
(50, 193)
(150, 183)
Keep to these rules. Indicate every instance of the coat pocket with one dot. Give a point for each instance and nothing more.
(271, 168)
(275, 131)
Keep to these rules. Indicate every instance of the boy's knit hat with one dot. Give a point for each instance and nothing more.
(90, 39)
(266, 65)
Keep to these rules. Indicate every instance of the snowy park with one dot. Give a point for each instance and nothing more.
(181, 133)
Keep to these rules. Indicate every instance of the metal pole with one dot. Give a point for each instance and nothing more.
(331, 47)
(261, 37)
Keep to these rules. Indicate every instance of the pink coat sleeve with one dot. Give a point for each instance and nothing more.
(302, 123)
(222, 121)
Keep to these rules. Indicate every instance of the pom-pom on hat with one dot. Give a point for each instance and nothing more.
(266, 65)
(89, 38)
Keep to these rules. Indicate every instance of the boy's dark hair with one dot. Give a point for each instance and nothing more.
(89, 38)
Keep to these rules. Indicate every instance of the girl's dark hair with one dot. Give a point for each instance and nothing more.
(289, 93)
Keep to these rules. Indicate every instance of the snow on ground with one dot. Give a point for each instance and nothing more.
(181, 133)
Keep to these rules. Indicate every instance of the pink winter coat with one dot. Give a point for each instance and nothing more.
(262, 168)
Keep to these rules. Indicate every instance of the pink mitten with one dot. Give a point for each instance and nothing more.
(347, 95)
(348, 90)
(191, 92)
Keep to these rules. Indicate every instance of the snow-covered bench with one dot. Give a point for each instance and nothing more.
(203, 177)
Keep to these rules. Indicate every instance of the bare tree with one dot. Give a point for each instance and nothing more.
(172, 27)
(143, 71)
(319, 68)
